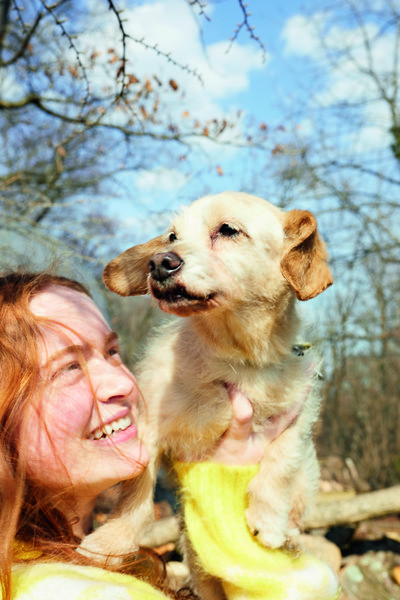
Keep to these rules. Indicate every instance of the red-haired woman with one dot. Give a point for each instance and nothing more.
(61, 379)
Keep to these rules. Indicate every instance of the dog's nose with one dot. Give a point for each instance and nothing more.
(164, 264)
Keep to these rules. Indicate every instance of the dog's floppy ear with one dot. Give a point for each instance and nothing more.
(303, 263)
(127, 274)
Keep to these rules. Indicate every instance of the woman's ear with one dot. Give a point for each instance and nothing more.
(127, 274)
(304, 261)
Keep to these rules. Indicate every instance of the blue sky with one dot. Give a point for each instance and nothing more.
(280, 90)
(235, 77)
(294, 86)
(273, 79)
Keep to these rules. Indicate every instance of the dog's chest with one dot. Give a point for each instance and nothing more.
(191, 376)
(271, 388)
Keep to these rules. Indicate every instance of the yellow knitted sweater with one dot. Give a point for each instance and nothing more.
(214, 500)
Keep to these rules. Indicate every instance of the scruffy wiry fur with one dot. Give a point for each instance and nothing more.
(232, 265)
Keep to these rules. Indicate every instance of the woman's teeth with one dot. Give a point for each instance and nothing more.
(110, 428)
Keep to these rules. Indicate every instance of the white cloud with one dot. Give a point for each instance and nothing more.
(160, 179)
(344, 54)
(171, 26)
(11, 88)
(301, 35)
(231, 71)
(347, 62)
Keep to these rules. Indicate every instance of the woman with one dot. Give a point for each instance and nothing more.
(67, 414)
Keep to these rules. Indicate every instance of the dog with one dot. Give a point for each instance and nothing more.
(233, 266)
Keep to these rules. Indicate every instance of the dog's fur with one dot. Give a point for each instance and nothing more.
(244, 261)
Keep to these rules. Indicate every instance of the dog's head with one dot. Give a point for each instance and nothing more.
(223, 249)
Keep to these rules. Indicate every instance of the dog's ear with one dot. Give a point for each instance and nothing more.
(303, 263)
(127, 274)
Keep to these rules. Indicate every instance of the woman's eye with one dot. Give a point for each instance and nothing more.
(227, 230)
(65, 369)
(72, 366)
(114, 352)
(172, 237)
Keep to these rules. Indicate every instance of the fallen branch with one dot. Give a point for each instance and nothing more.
(325, 514)
(356, 509)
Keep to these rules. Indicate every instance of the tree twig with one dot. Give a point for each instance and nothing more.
(122, 69)
(72, 45)
(245, 23)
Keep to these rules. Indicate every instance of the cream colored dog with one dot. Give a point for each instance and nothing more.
(232, 265)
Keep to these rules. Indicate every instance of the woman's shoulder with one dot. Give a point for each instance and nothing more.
(67, 581)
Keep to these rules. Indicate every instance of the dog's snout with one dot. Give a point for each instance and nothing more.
(164, 264)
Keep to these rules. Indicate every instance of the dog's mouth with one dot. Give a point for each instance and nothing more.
(179, 300)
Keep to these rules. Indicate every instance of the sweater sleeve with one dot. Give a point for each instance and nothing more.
(214, 503)
(65, 581)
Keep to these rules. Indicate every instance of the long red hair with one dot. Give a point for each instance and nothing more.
(27, 511)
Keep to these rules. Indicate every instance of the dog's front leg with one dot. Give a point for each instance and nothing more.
(122, 533)
(270, 492)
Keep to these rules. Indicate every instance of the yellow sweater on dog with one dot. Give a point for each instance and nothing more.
(215, 499)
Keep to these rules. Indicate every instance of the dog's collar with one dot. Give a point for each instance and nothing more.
(301, 348)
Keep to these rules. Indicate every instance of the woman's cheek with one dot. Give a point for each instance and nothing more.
(71, 409)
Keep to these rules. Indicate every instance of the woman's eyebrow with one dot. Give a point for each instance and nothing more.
(72, 349)
(112, 336)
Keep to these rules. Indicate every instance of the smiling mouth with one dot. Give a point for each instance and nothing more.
(108, 430)
(178, 294)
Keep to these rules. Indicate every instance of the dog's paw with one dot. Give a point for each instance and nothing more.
(106, 547)
(95, 549)
(266, 531)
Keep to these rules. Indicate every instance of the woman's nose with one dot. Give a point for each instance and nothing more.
(113, 382)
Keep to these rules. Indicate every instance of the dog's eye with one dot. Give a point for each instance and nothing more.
(172, 237)
(227, 230)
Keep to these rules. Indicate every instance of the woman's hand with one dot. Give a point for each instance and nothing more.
(240, 445)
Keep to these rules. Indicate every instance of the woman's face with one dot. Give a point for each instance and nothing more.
(81, 432)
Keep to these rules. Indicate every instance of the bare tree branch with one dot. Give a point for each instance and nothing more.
(24, 42)
(122, 70)
(4, 10)
(245, 23)
(60, 23)
(201, 5)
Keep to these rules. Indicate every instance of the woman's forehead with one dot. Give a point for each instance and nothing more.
(72, 309)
